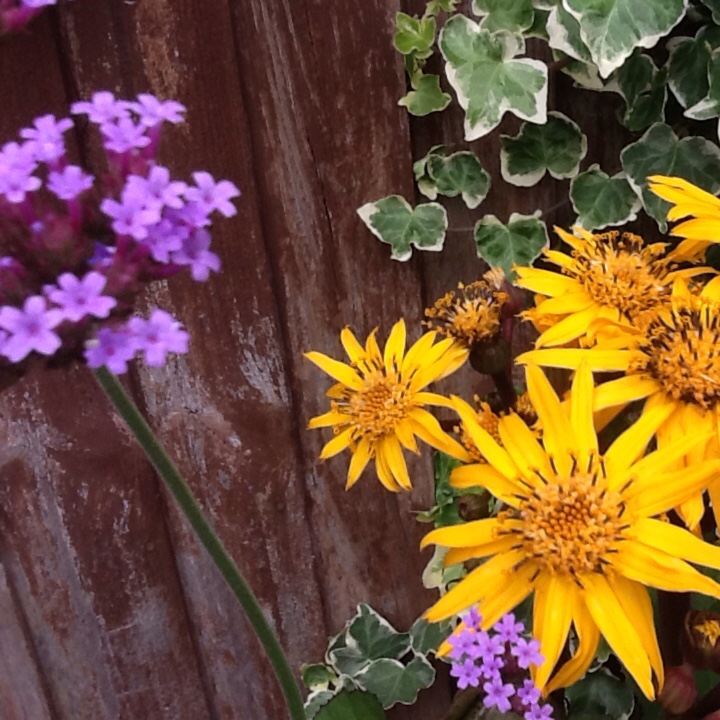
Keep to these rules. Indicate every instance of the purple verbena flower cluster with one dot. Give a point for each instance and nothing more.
(76, 249)
(497, 661)
(16, 14)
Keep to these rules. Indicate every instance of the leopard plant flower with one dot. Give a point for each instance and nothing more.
(377, 404)
(579, 532)
(675, 364)
(611, 276)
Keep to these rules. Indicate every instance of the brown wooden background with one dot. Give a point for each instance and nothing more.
(108, 608)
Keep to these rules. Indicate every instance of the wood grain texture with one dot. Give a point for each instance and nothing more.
(109, 609)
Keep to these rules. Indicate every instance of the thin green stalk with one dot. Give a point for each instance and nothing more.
(180, 489)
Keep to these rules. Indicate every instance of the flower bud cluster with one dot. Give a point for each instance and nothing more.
(76, 249)
(497, 660)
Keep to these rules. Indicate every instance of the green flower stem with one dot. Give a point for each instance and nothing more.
(180, 489)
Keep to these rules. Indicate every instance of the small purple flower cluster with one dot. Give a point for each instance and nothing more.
(77, 249)
(498, 659)
(16, 14)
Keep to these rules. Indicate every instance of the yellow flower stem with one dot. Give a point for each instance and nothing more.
(175, 483)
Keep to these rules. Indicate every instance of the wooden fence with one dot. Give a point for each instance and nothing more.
(108, 607)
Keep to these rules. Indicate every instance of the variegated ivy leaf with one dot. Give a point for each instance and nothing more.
(709, 106)
(602, 201)
(426, 98)
(513, 15)
(517, 243)
(688, 65)
(486, 78)
(392, 682)
(352, 706)
(427, 637)
(375, 637)
(660, 152)
(644, 89)
(544, 4)
(557, 147)
(585, 75)
(435, 6)
(414, 35)
(612, 29)
(538, 29)
(458, 174)
(393, 221)
(564, 35)
(714, 7)
(317, 676)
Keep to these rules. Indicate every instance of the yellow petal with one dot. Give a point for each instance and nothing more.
(358, 462)
(336, 369)
(337, 444)
(689, 250)
(581, 414)
(429, 398)
(428, 429)
(395, 347)
(523, 446)
(372, 349)
(405, 435)
(355, 351)
(676, 190)
(495, 547)
(558, 435)
(545, 282)
(417, 352)
(712, 289)
(613, 623)
(392, 452)
(467, 534)
(565, 304)
(570, 358)
(509, 595)
(552, 615)
(485, 443)
(624, 390)
(698, 229)
(384, 474)
(327, 419)
(484, 475)
(569, 328)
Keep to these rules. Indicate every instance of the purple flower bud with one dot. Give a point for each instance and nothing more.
(165, 238)
(78, 298)
(215, 196)
(103, 108)
(158, 335)
(153, 111)
(195, 253)
(112, 349)
(30, 329)
(69, 183)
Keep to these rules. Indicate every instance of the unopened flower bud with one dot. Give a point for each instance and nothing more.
(679, 692)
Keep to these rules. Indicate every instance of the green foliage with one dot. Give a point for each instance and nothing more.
(600, 696)
(644, 89)
(394, 222)
(602, 201)
(688, 65)
(709, 106)
(517, 243)
(614, 28)
(445, 510)
(426, 96)
(414, 35)
(557, 147)
(370, 655)
(513, 15)
(351, 706)
(488, 80)
(660, 152)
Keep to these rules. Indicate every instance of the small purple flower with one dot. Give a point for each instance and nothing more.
(69, 183)
(529, 693)
(112, 349)
(215, 196)
(78, 298)
(15, 184)
(489, 646)
(123, 135)
(463, 643)
(46, 137)
(131, 216)
(103, 108)
(539, 712)
(158, 335)
(195, 252)
(498, 694)
(473, 619)
(153, 111)
(527, 652)
(38, 3)
(164, 238)
(157, 189)
(507, 629)
(467, 673)
(491, 667)
(30, 329)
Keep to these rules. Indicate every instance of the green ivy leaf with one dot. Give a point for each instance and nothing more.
(413, 34)
(317, 700)
(660, 152)
(458, 174)
(427, 637)
(375, 637)
(392, 682)
(513, 15)
(556, 147)
(486, 78)
(394, 222)
(714, 7)
(598, 695)
(564, 35)
(688, 65)
(644, 89)
(538, 29)
(709, 106)
(585, 75)
(352, 706)
(612, 29)
(602, 201)
(517, 243)
(426, 98)
(317, 676)
(435, 6)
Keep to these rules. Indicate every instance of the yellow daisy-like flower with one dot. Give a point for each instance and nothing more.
(579, 533)
(611, 276)
(675, 364)
(377, 404)
(689, 201)
(471, 314)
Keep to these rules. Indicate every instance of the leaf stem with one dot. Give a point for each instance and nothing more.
(182, 493)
